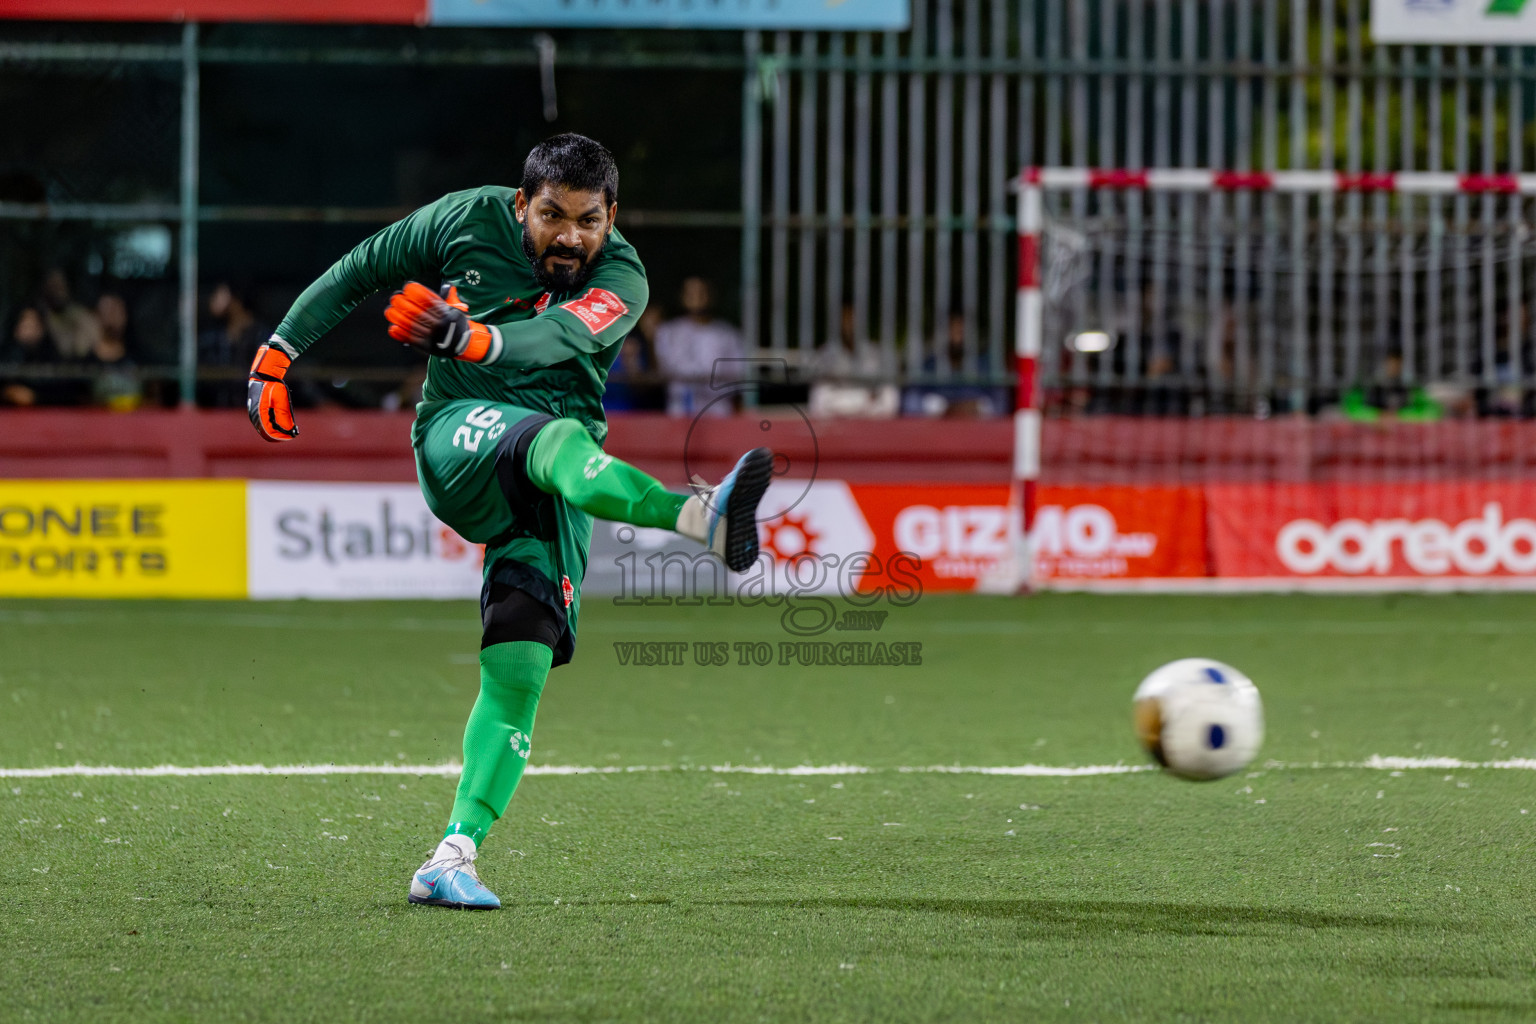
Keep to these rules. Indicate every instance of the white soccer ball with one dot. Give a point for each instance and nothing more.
(1200, 719)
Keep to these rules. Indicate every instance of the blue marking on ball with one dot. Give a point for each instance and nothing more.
(1214, 674)
(1217, 737)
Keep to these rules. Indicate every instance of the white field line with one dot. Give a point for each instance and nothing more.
(1301, 585)
(1200, 627)
(451, 770)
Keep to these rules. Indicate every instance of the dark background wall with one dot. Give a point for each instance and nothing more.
(335, 132)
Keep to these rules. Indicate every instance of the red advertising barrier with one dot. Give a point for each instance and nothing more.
(1399, 534)
(1095, 533)
(339, 444)
(1259, 503)
(1080, 533)
(958, 533)
(397, 12)
(367, 446)
(1383, 531)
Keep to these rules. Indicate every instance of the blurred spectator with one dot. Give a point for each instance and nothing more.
(28, 345)
(961, 399)
(628, 386)
(408, 394)
(1456, 401)
(687, 349)
(232, 341)
(1391, 397)
(115, 383)
(112, 315)
(843, 372)
(74, 328)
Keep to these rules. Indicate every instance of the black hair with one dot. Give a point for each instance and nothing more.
(573, 162)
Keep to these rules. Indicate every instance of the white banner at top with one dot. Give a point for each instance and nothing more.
(1453, 21)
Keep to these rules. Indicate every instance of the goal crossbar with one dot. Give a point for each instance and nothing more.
(1194, 179)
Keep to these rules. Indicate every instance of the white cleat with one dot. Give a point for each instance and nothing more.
(724, 517)
(449, 879)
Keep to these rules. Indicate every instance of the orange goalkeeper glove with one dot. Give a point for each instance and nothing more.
(440, 325)
(266, 396)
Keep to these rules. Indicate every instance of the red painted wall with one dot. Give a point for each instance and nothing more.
(374, 446)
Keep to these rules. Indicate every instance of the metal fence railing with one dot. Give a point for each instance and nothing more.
(878, 168)
(875, 207)
(127, 162)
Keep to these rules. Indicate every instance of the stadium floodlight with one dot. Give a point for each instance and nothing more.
(1091, 341)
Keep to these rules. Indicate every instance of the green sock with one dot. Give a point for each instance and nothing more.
(564, 460)
(498, 738)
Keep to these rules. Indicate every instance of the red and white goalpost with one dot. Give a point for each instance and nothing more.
(1029, 332)
(1019, 575)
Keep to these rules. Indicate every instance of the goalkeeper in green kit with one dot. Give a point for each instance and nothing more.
(523, 298)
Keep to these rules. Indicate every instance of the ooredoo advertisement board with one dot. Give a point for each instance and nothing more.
(1409, 531)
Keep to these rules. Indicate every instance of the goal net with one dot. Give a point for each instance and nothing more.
(1287, 380)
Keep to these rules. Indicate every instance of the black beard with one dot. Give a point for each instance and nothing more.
(560, 279)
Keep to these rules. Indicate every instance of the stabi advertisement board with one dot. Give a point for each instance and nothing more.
(352, 541)
(1504, 22)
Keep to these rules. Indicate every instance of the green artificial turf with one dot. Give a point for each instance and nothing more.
(1309, 891)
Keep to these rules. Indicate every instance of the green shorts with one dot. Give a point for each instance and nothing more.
(471, 459)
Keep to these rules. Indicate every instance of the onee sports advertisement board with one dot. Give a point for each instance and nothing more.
(122, 538)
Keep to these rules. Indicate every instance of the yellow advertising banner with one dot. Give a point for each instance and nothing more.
(122, 538)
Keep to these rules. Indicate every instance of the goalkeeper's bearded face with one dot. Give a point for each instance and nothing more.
(564, 231)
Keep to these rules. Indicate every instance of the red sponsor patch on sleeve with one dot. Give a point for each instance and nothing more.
(598, 309)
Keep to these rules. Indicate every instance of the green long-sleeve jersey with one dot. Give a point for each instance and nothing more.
(556, 349)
